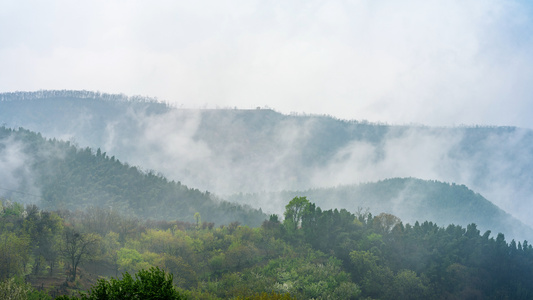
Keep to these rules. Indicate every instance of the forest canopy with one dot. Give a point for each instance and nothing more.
(312, 253)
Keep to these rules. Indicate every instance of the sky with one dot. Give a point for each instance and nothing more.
(432, 62)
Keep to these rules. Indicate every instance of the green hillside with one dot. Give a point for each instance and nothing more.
(58, 175)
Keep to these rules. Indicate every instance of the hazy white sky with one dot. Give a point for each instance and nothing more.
(434, 62)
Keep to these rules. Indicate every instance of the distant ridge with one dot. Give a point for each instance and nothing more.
(411, 200)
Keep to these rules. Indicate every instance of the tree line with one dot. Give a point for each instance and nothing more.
(80, 94)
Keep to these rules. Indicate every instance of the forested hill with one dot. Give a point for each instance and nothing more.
(58, 175)
(227, 151)
(411, 200)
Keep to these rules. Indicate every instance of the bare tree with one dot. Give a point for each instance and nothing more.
(78, 247)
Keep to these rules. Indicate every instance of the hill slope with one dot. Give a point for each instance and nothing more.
(58, 175)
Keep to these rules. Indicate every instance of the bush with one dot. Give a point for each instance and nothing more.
(152, 284)
(17, 289)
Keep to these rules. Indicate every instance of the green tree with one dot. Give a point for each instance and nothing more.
(111, 246)
(294, 212)
(241, 255)
(44, 229)
(407, 285)
(362, 263)
(185, 275)
(385, 223)
(374, 279)
(14, 254)
(130, 260)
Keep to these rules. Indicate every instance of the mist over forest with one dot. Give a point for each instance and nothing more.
(310, 206)
(228, 151)
(258, 150)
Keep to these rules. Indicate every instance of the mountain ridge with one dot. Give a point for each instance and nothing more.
(228, 151)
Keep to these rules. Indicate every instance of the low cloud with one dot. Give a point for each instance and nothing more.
(404, 152)
(231, 151)
(229, 157)
(16, 178)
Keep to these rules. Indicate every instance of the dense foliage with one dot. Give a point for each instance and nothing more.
(310, 254)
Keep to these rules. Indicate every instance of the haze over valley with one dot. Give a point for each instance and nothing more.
(266, 149)
(232, 151)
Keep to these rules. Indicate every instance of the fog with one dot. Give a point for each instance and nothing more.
(415, 152)
(171, 144)
(215, 151)
(229, 151)
(16, 174)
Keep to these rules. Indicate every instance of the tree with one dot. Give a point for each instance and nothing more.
(44, 229)
(294, 212)
(385, 223)
(185, 275)
(240, 255)
(77, 247)
(130, 260)
(407, 285)
(111, 247)
(14, 254)
(100, 220)
(362, 263)
(148, 284)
